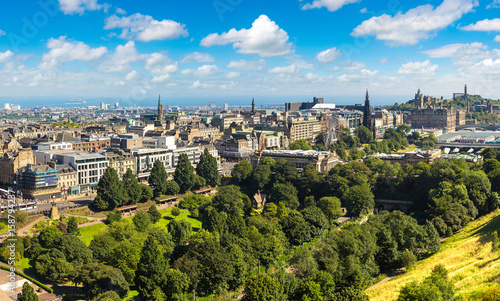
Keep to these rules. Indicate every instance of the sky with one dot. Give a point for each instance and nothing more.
(229, 51)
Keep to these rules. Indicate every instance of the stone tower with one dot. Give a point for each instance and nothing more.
(419, 99)
(367, 112)
(253, 105)
(466, 97)
(159, 115)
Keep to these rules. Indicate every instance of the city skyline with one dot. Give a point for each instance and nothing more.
(231, 51)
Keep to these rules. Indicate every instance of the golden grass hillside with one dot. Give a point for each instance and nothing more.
(466, 256)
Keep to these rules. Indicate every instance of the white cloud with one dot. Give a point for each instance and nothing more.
(197, 57)
(497, 39)
(69, 7)
(445, 51)
(348, 65)
(383, 60)
(328, 56)
(205, 70)
(484, 25)
(233, 74)
(4, 56)
(288, 69)
(487, 66)
(131, 75)
(2, 33)
(161, 78)
(416, 24)
(364, 10)
(198, 84)
(425, 67)
(247, 65)
(144, 28)
(120, 11)
(121, 59)
(494, 4)
(62, 51)
(331, 5)
(264, 38)
(158, 63)
(358, 75)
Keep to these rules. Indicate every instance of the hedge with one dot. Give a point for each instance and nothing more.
(48, 289)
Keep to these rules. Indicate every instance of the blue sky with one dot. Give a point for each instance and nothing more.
(196, 51)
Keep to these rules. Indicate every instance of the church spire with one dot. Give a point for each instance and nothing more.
(159, 115)
(253, 105)
(367, 97)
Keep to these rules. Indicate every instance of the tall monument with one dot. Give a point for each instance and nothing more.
(253, 105)
(159, 115)
(466, 97)
(367, 112)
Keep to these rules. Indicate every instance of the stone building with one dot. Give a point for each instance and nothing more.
(323, 161)
(12, 162)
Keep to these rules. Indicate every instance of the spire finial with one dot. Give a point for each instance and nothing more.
(367, 97)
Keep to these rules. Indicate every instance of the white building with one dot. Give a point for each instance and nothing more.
(89, 166)
(15, 107)
(6, 106)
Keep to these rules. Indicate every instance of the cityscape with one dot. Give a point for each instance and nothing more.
(232, 150)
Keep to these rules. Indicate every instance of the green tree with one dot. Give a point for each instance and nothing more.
(142, 221)
(364, 134)
(152, 269)
(146, 193)
(98, 278)
(436, 287)
(184, 174)
(172, 188)
(242, 171)
(108, 296)
(114, 216)
(154, 214)
(99, 203)
(180, 230)
(229, 198)
(175, 212)
(28, 293)
(208, 169)
(48, 236)
(73, 226)
(309, 290)
(263, 288)
(296, 229)
(261, 176)
(132, 187)
(284, 193)
(359, 198)
(110, 189)
(301, 144)
(158, 178)
(331, 207)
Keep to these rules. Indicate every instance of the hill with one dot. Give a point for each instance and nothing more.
(466, 255)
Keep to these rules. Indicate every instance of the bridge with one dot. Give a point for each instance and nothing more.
(392, 205)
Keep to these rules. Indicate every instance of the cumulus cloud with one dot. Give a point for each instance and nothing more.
(158, 63)
(287, 69)
(348, 65)
(331, 5)
(121, 59)
(62, 50)
(160, 78)
(416, 24)
(328, 56)
(197, 84)
(2, 33)
(484, 25)
(4, 56)
(383, 60)
(425, 67)
(358, 75)
(120, 11)
(494, 4)
(497, 39)
(264, 38)
(205, 70)
(445, 51)
(131, 75)
(247, 65)
(233, 74)
(144, 28)
(197, 57)
(69, 7)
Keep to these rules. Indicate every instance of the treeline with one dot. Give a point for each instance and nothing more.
(113, 192)
(170, 263)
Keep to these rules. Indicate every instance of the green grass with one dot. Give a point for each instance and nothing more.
(167, 217)
(131, 295)
(464, 255)
(3, 228)
(25, 264)
(88, 233)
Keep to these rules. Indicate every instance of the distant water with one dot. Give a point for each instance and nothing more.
(198, 101)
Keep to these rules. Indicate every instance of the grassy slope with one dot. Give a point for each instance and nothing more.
(88, 233)
(465, 257)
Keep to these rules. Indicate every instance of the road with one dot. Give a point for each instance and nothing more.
(64, 204)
